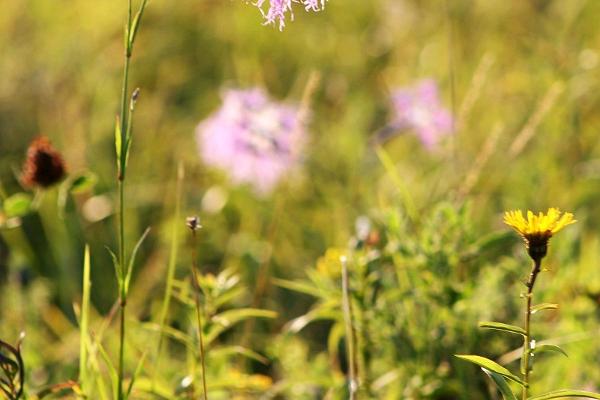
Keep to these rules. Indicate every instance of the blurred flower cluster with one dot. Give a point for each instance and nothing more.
(277, 10)
(253, 138)
(418, 108)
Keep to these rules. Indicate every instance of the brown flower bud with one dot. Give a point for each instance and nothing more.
(43, 166)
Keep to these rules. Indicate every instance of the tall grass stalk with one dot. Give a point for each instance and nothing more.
(122, 143)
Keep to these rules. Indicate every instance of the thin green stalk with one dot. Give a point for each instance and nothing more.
(122, 290)
(121, 184)
(537, 265)
(123, 142)
(350, 334)
(198, 309)
(84, 322)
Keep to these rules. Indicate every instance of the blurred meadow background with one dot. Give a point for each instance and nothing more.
(516, 87)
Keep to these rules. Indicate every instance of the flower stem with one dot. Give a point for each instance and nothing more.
(535, 270)
(198, 313)
(350, 335)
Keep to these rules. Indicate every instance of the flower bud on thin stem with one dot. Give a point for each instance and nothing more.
(194, 224)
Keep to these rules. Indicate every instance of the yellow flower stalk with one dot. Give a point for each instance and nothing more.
(536, 230)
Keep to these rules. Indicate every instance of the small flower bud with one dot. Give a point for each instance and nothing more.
(135, 94)
(44, 166)
(193, 222)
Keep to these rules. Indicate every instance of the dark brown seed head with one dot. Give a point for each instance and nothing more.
(44, 165)
(193, 222)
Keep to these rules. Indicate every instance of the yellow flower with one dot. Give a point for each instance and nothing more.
(330, 265)
(536, 230)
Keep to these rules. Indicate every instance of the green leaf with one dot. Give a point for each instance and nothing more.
(499, 326)
(85, 318)
(227, 319)
(132, 258)
(543, 306)
(507, 393)
(83, 182)
(17, 205)
(112, 371)
(117, 265)
(172, 333)
(544, 348)
(136, 23)
(118, 141)
(491, 366)
(327, 311)
(559, 394)
(300, 287)
(244, 351)
(127, 147)
(136, 374)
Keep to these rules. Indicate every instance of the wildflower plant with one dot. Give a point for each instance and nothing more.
(254, 139)
(123, 140)
(418, 108)
(536, 232)
(276, 11)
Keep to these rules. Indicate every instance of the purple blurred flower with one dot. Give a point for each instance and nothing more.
(254, 139)
(279, 8)
(418, 108)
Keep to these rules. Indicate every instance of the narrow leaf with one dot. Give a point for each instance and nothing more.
(136, 374)
(118, 141)
(300, 287)
(321, 312)
(228, 350)
(132, 258)
(559, 394)
(117, 265)
(85, 317)
(499, 326)
(491, 366)
(507, 393)
(543, 306)
(544, 348)
(112, 371)
(136, 23)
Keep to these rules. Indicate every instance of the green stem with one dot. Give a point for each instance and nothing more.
(198, 313)
(121, 184)
(537, 266)
(122, 290)
(350, 334)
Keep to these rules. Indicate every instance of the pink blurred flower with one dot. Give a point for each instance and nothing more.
(279, 8)
(418, 108)
(252, 138)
